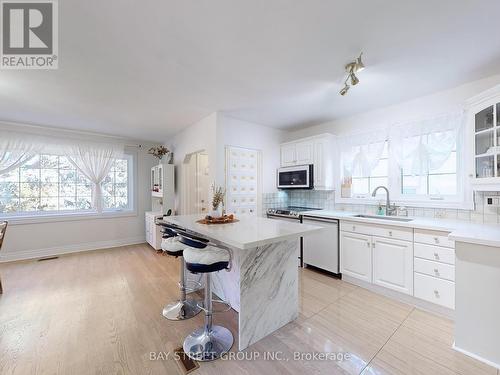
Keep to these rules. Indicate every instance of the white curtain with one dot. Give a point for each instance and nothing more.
(424, 146)
(94, 161)
(17, 149)
(360, 153)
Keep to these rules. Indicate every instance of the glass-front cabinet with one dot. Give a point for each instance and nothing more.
(484, 111)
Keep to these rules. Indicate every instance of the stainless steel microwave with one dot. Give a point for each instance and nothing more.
(297, 177)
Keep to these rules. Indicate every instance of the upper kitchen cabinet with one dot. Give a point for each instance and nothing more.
(484, 133)
(317, 150)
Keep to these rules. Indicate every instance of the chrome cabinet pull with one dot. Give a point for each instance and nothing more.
(436, 255)
(436, 271)
(436, 293)
(436, 240)
(390, 233)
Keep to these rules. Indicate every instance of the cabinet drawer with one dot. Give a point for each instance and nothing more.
(435, 253)
(436, 269)
(398, 233)
(432, 289)
(432, 237)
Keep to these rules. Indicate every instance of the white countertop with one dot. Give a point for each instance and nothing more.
(248, 232)
(462, 231)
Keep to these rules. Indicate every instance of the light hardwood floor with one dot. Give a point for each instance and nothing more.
(100, 313)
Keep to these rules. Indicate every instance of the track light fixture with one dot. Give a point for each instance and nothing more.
(351, 69)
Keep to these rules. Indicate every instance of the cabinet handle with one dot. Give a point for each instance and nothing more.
(367, 243)
(436, 293)
(436, 255)
(353, 227)
(436, 240)
(390, 233)
(436, 271)
(373, 245)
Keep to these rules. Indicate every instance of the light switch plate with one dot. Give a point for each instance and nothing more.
(492, 201)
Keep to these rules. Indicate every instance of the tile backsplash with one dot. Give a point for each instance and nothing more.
(326, 200)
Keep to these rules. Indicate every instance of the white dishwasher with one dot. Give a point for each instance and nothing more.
(321, 249)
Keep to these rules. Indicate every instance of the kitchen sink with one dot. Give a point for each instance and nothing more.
(380, 217)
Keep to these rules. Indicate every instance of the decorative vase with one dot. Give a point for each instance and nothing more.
(217, 212)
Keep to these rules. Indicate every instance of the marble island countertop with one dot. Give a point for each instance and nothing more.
(249, 232)
(463, 231)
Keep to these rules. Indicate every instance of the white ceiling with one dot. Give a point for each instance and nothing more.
(146, 69)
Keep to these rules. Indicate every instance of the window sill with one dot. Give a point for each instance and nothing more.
(77, 216)
(408, 203)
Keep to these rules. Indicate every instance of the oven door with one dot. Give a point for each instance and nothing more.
(299, 177)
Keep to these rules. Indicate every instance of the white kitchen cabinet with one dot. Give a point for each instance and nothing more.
(484, 139)
(162, 187)
(319, 152)
(153, 234)
(288, 156)
(304, 152)
(356, 255)
(393, 264)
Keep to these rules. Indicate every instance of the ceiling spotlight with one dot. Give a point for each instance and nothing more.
(344, 90)
(352, 68)
(354, 79)
(356, 65)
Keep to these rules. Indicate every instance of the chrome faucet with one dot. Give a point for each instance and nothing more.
(389, 210)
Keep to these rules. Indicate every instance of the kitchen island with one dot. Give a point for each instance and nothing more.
(262, 285)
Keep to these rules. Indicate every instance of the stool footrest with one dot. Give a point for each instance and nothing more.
(200, 305)
(191, 286)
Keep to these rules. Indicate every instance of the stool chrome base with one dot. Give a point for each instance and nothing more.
(181, 310)
(203, 345)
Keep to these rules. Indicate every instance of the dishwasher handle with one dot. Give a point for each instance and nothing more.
(321, 219)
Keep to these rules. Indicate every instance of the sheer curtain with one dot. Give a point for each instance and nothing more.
(17, 149)
(94, 161)
(360, 153)
(421, 147)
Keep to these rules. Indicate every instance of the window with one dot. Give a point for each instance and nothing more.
(362, 186)
(51, 184)
(115, 186)
(438, 183)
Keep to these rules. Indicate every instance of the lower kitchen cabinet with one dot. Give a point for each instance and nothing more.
(393, 264)
(356, 255)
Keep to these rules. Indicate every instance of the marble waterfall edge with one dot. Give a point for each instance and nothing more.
(269, 290)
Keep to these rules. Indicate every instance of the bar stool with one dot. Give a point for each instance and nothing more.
(209, 342)
(184, 308)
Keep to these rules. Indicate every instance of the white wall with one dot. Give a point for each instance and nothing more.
(420, 108)
(234, 132)
(199, 136)
(212, 134)
(25, 241)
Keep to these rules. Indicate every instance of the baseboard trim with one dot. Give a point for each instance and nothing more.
(405, 298)
(68, 249)
(475, 356)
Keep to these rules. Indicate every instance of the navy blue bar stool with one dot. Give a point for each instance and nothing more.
(209, 342)
(184, 308)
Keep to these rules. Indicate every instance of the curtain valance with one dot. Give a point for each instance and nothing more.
(421, 147)
(360, 153)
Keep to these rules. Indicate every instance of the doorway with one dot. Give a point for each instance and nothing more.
(196, 183)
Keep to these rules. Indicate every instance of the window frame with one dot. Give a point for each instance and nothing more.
(35, 217)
